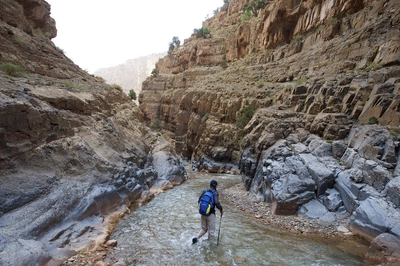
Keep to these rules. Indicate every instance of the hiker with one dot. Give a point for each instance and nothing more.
(208, 220)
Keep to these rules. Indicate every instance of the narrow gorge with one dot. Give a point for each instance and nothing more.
(300, 98)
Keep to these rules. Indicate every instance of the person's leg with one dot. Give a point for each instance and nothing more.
(211, 226)
(204, 226)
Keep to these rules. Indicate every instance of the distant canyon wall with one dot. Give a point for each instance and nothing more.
(131, 74)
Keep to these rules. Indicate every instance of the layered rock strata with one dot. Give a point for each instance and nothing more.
(74, 153)
(131, 74)
(317, 75)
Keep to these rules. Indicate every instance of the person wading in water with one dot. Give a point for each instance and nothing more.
(208, 220)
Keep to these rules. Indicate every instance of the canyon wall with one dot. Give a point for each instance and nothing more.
(131, 74)
(301, 99)
(74, 153)
(311, 56)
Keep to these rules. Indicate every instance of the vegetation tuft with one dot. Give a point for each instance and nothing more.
(20, 41)
(203, 33)
(11, 69)
(174, 44)
(244, 116)
(373, 120)
(301, 80)
(155, 72)
(260, 83)
(116, 86)
(156, 125)
(373, 66)
(254, 7)
(132, 95)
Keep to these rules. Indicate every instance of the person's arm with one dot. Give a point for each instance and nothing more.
(202, 193)
(217, 203)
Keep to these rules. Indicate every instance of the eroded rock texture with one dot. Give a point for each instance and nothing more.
(320, 81)
(74, 153)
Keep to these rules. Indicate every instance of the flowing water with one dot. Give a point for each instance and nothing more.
(161, 232)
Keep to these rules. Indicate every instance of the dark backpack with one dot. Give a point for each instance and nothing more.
(206, 203)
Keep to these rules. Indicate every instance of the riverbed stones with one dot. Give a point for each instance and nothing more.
(332, 200)
(344, 186)
(384, 250)
(393, 191)
(316, 210)
(373, 217)
(322, 176)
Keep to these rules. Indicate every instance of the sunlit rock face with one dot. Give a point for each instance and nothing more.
(302, 99)
(131, 74)
(25, 39)
(74, 153)
(323, 60)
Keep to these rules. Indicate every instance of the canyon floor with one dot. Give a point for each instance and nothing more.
(256, 210)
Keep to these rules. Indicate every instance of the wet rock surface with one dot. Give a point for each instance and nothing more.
(70, 164)
(320, 143)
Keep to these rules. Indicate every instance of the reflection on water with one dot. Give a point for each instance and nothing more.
(160, 233)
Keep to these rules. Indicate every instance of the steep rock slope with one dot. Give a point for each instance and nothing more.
(316, 75)
(73, 151)
(327, 68)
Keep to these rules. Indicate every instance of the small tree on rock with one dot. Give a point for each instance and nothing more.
(255, 6)
(132, 95)
(174, 44)
(155, 72)
(203, 32)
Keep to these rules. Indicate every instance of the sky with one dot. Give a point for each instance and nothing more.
(104, 33)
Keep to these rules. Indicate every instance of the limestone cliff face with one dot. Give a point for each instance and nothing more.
(131, 74)
(74, 153)
(302, 100)
(26, 29)
(323, 59)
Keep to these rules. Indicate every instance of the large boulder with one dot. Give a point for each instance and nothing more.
(316, 210)
(282, 178)
(332, 200)
(384, 250)
(372, 173)
(323, 177)
(393, 191)
(373, 217)
(373, 143)
(290, 192)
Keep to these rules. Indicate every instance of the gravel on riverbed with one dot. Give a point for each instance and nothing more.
(241, 199)
(238, 197)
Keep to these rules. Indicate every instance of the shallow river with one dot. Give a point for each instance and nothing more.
(161, 231)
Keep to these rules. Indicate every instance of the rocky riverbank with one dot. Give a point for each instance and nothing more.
(256, 210)
(238, 197)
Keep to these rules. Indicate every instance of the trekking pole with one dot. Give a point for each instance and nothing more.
(219, 229)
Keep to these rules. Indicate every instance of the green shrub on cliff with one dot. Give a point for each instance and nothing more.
(11, 69)
(154, 72)
(373, 120)
(255, 6)
(116, 86)
(155, 125)
(203, 32)
(244, 116)
(132, 95)
(174, 44)
(246, 15)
